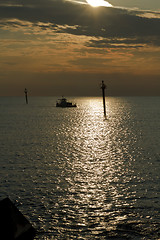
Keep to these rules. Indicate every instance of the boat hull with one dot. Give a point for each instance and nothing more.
(63, 106)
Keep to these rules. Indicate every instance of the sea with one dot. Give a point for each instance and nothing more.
(78, 175)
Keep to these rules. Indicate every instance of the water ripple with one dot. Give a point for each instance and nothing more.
(76, 175)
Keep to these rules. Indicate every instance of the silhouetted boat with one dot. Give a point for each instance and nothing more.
(63, 103)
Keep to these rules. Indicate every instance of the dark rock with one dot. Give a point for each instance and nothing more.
(13, 225)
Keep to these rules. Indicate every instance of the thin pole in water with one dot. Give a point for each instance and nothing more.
(26, 95)
(103, 87)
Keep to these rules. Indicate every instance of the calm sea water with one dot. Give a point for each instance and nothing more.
(76, 175)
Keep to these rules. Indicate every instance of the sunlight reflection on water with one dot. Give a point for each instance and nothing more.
(96, 170)
(78, 175)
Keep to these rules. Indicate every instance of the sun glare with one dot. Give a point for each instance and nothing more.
(98, 3)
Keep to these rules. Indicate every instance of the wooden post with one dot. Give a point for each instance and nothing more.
(26, 95)
(103, 87)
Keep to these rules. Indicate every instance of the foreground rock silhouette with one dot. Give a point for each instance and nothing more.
(13, 225)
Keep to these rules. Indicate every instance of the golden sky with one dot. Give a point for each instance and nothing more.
(55, 47)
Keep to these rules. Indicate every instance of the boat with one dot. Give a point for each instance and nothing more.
(62, 102)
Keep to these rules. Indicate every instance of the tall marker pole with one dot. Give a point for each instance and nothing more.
(103, 87)
(26, 95)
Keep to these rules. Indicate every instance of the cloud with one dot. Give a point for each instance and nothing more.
(55, 36)
(139, 4)
(123, 43)
(81, 19)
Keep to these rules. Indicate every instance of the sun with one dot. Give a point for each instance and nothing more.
(98, 3)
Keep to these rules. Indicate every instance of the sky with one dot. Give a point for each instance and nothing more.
(67, 47)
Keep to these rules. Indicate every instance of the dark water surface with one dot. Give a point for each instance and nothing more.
(75, 175)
